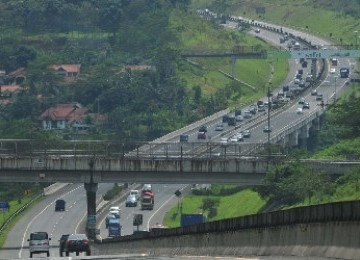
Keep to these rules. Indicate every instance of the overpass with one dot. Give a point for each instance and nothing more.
(104, 162)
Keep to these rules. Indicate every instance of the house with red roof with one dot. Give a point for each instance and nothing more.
(8, 93)
(68, 71)
(62, 116)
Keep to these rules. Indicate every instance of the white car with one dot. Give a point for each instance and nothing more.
(246, 133)
(299, 110)
(332, 71)
(135, 193)
(114, 210)
(223, 141)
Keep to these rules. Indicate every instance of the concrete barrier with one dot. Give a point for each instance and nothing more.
(339, 240)
(327, 230)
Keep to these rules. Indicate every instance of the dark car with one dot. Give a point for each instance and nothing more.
(184, 138)
(201, 135)
(203, 128)
(60, 205)
(62, 243)
(77, 243)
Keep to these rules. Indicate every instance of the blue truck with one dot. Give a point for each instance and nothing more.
(114, 227)
(191, 219)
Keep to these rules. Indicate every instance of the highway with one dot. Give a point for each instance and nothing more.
(43, 217)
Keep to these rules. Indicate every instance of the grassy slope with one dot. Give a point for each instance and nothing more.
(197, 34)
(230, 206)
(322, 23)
(304, 15)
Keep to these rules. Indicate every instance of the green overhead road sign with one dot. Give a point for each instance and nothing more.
(313, 54)
(325, 54)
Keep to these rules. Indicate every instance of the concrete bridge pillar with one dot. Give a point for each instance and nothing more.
(303, 136)
(91, 189)
(293, 139)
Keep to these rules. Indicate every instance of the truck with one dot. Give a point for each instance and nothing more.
(191, 219)
(114, 227)
(344, 72)
(147, 200)
(231, 121)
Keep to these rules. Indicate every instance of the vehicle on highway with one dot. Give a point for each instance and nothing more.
(225, 118)
(299, 110)
(131, 201)
(219, 127)
(109, 217)
(247, 114)
(239, 137)
(239, 118)
(301, 100)
(231, 121)
(319, 97)
(261, 108)
(267, 129)
(184, 138)
(306, 105)
(39, 242)
(246, 133)
(201, 135)
(223, 141)
(203, 128)
(114, 210)
(147, 187)
(114, 227)
(344, 72)
(308, 78)
(77, 243)
(332, 70)
(62, 243)
(334, 61)
(147, 200)
(135, 193)
(60, 205)
(314, 92)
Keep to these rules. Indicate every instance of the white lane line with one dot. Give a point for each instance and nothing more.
(171, 197)
(36, 216)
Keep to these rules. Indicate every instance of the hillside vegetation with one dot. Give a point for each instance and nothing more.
(338, 139)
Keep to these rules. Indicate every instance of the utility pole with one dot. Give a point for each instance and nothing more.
(269, 125)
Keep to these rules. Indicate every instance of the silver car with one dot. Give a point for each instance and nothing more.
(131, 201)
(39, 243)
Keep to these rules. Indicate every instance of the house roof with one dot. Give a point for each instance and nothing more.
(9, 88)
(67, 67)
(137, 67)
(70, 112)
(17, 72)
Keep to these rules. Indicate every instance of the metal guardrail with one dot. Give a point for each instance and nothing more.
(18, 212)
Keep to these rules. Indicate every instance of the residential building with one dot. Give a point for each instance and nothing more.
(62, 116)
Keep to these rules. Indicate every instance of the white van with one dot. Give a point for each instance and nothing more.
(39, 243)
(135, 193)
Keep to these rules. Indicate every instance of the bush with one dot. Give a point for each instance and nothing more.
(109, 195)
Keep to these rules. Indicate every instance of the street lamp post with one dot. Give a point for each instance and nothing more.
(335, 79)
(269, 127)
(356, 39)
